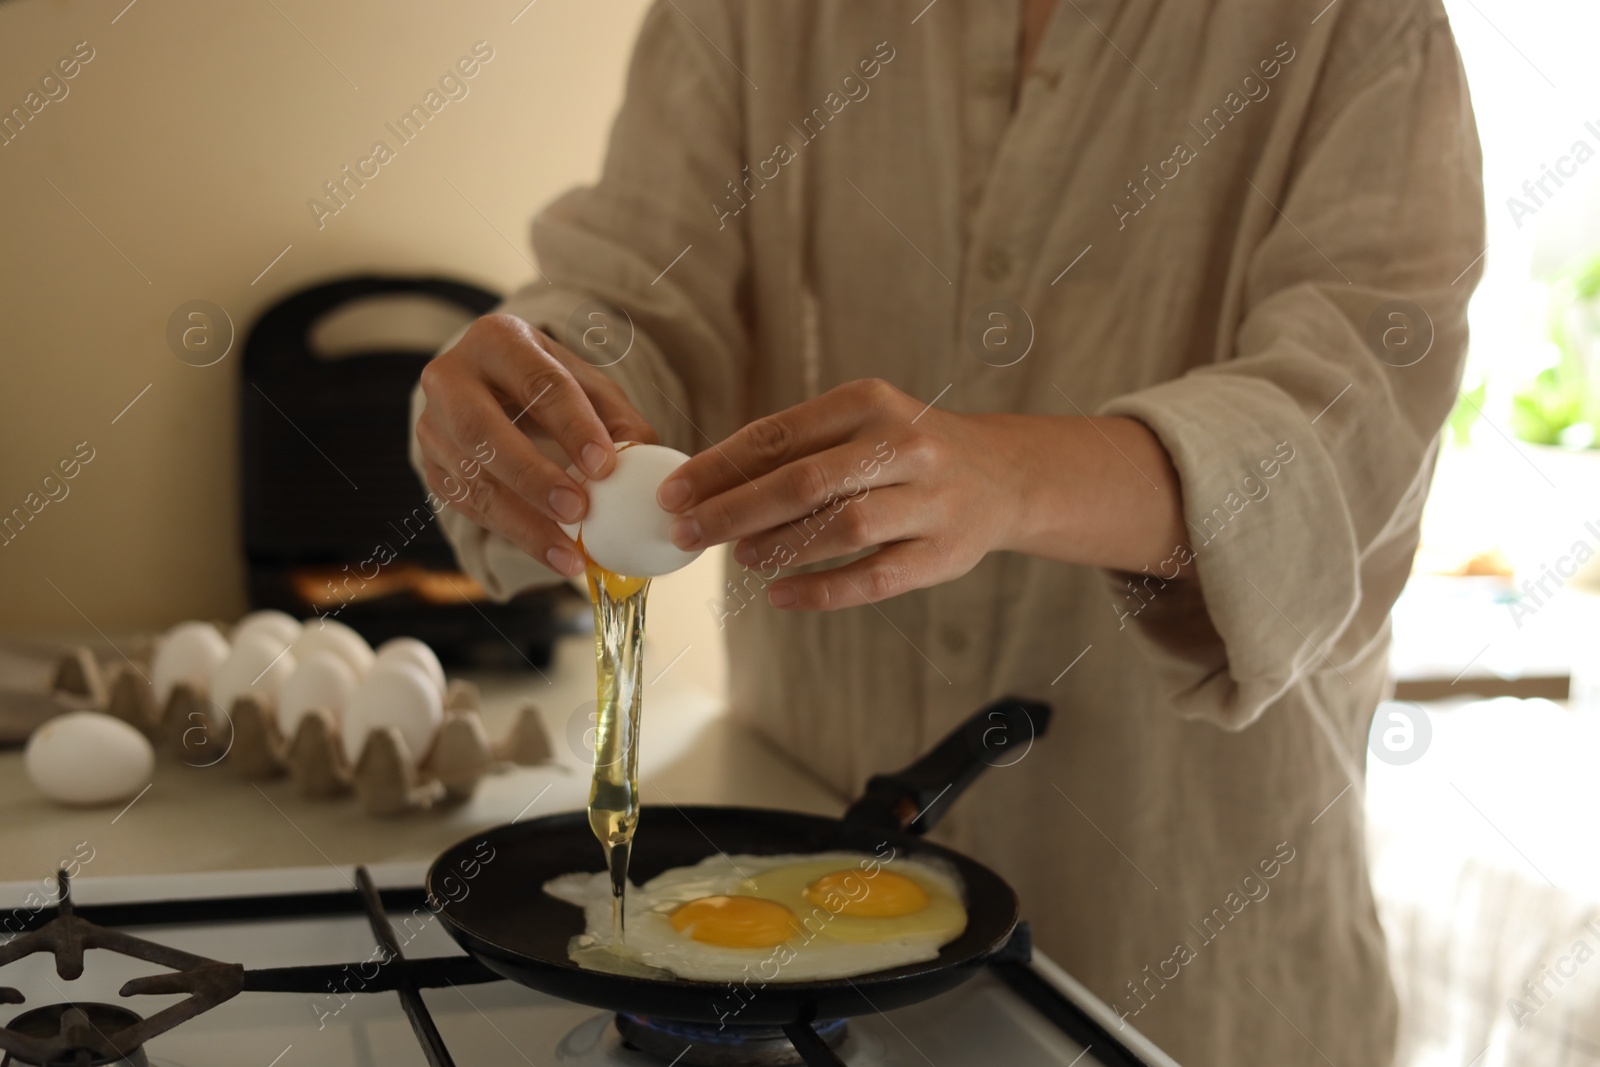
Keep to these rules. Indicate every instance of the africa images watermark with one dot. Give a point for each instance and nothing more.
(452, 85)
(756, 579)
(410, 528)
(1534, 593)
(53, 89)
(851, 889)
(1399, 333)
(1250, 490)
(1537, 991)
(1566, 166)
(54, 488)
(855, 89)
(46, 895)
(353, 977)
(1253, 889)
(1142, 192)
(1400, 733)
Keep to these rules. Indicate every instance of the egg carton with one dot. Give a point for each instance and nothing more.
(386, 777)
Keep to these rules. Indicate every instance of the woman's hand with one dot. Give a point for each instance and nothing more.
(866, 467)
(863, 466)
(492, 399)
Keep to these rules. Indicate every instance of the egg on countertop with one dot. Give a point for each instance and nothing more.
(189, 652)
(257, 663)
(625, 531)
(87, 758)
(322, 634)
(799, 917)
(322, 680)
(415, 652)
(400, 695)
(278, 625)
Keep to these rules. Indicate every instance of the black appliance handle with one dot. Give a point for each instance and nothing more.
(912, 800)
(281, 336)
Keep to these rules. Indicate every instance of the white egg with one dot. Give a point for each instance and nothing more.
(278, 625)
(328, 635)
(85, 757)
(258, 664)
(417, 653)
(400, 695)
(189, 652)
(625, 530)
(321, 680)
(783, 918)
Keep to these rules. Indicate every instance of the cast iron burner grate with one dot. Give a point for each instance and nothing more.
(75, 1038)
(96, 1035)
(87, 1035)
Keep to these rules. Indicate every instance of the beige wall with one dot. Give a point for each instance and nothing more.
(193, 140)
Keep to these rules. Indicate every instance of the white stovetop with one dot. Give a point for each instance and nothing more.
(247, 837)
(498, 1023)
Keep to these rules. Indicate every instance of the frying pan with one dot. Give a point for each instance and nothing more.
(486, 889)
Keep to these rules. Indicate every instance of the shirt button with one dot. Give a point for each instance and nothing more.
(997, 264)
(954, 639)
(995, 81)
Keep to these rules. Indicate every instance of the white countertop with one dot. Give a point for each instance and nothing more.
(211, 819)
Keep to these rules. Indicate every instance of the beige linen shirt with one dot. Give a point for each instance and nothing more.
(1252, 224)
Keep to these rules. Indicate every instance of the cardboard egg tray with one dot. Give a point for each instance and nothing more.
(386, 777)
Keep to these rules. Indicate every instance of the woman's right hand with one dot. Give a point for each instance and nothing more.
(500, 389)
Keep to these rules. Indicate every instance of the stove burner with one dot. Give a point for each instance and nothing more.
(704, 1045)
(74, 1034)
(79, 1031)
(103, 1035)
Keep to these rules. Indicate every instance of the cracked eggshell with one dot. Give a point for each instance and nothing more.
(86, 758)
(327, 635)
(625, 530)
(400, 695)
(323, 680)
(415, 652)
(189, 652)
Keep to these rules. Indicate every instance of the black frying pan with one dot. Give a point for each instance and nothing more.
(487, 888)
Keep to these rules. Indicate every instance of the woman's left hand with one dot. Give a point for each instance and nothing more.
(864, 466)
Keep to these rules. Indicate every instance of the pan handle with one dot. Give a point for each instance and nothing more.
(912, 800)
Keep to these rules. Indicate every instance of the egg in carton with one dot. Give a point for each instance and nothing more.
(279, 701)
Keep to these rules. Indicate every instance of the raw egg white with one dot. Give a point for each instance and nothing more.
(190, 652)
(86, 758)
(257, 663)
(417, 653)
(772, 918)
(625, 531)
(277, 625)
(398, 695)
(321, 680)
(327, 635)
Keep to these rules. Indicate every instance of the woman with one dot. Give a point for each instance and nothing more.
(1117, 336)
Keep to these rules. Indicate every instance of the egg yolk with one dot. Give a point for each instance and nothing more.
(884, 896)
(619, 586)
(736, 922)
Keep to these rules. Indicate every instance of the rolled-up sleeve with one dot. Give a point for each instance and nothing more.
(643, 260)
(1305, 451)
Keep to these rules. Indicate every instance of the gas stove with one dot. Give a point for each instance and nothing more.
(338, 966)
